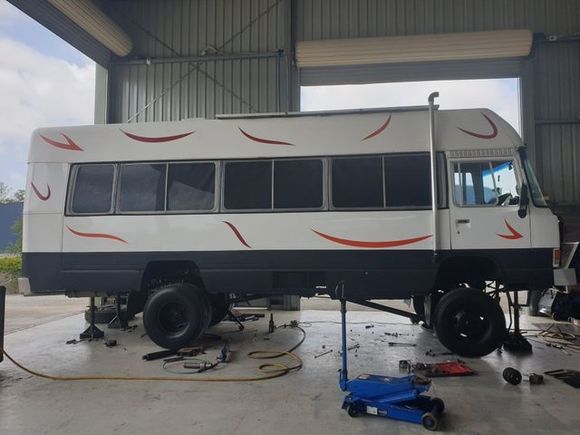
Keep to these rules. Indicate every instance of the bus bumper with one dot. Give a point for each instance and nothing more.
(569, 273)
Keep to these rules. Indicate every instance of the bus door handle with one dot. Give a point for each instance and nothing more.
(462, 221)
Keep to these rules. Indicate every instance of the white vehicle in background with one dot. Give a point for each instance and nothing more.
(386, 204)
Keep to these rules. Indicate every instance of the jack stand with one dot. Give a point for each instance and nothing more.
(396, 398)
(119, 321)
(92, 332)
(271, 324)
(515, 341)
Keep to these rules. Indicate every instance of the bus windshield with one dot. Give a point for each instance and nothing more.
(534, 186)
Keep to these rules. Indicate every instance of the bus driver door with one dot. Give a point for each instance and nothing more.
(485, 193)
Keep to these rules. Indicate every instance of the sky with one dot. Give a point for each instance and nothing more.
(499, 95)
(44, 82)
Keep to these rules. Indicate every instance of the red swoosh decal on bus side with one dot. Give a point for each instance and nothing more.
(378, 130)
(40, 195)
(365, 244)
(96, 235)
(482, 135)
(514, 234)
(70, 144)
(237, 233)
(266, 141)
(154, 139)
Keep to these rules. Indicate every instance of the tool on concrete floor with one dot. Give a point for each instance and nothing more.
(570, 377)
(322, 354)
(201, 366)
(354, 347)
(430, 352)
(535, 379)
(515, 377)
(110, 342)
(512, 376)
(396, 344)
(190, 351)
(225, 354)
(158, 355)
(437, 370)
(444, 369)
(397, 398)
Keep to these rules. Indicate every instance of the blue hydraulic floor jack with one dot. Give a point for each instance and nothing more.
(396, 398)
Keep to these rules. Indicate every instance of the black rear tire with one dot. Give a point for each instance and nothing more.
(220, 305)
(469, 322)
(176, 315)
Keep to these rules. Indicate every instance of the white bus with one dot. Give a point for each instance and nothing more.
(385, 204)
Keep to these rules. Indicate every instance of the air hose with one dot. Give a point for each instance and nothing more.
(269, 370)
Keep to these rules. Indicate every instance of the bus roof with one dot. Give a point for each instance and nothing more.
(373, 131)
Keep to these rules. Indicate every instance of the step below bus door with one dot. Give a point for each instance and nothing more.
(484, 205)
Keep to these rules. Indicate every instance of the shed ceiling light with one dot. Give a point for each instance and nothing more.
(96, 23)
(414, 48)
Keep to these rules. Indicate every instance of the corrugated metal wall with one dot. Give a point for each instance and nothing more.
(556, 93)
(201, 87)
(552, 125)
(178, 28)
(323, 19)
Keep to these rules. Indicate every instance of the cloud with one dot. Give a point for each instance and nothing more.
(499, 95)
(7, 11)
(37, 90)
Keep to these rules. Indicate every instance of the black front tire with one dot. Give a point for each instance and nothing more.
(469, 322)
(176, 315)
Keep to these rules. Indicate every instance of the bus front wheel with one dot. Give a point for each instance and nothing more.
(469, 322)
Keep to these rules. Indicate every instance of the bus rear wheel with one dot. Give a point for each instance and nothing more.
(469, 322)
(176, 315)
(220, 305)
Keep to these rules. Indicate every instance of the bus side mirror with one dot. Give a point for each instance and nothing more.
(524, 201)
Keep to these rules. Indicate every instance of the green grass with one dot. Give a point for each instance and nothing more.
(11, 265)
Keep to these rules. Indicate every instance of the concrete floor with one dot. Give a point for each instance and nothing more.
(304, 402)
(25, 312)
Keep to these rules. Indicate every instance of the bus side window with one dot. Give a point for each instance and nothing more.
(473, 184)
(487, 183)
(357, 182)
(191, 186)
(408, 180)
(142, 187)
(93, 189)
(248, 185)
(298, 184)
(506, 182)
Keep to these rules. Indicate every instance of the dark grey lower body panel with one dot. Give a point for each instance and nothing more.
(389, 274)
